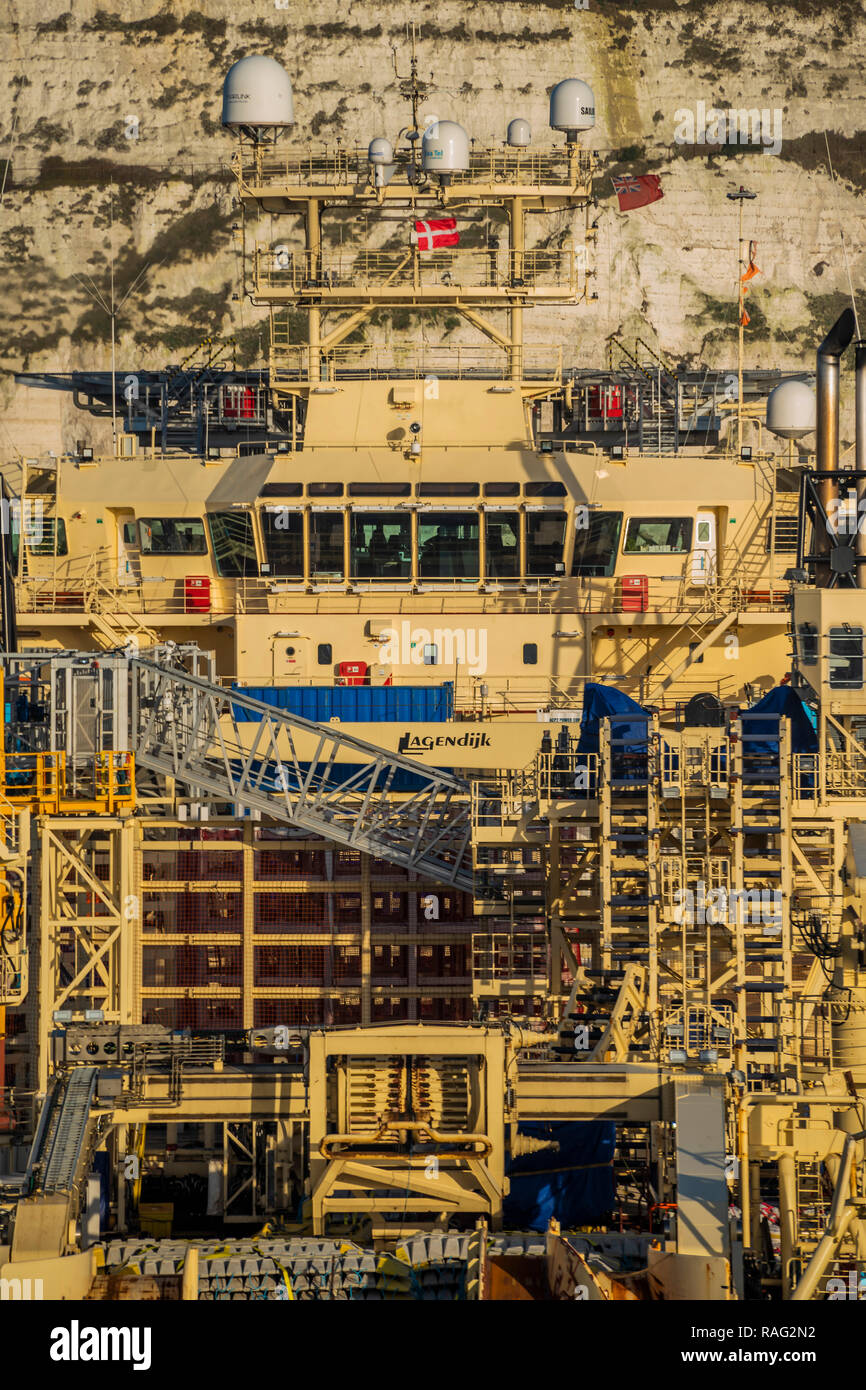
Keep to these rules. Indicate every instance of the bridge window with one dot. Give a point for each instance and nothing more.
(324, 489)
(172, 535)
(502, 533)
(544, 489)
(380, 489)
(447, 489)
(545, 537)
(658, 535)
(283, 531)
(596, 543)
(807, 636)
(501, 489)
(234, 547)
(282, 490)
(846, 657)
(326, 544)
(448, 545)
(381, 545)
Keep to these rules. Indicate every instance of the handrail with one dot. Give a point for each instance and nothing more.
(656, 358)
(49, 784)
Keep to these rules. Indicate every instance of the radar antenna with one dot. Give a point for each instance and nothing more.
(412, 87)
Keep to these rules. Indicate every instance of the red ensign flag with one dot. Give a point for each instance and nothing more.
(635, 191)
(435, 232)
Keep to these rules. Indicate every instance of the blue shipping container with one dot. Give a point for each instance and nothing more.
(355, 704)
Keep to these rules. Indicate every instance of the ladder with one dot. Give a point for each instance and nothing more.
(296, 771)
(762, 869)
(629, 847)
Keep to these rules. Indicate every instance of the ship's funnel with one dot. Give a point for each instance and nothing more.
(860, 403)
(829, 357)
(860, 455)
(827, 423)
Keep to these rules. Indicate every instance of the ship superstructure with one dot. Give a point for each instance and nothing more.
(424, 769)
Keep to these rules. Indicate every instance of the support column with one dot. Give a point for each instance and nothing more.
(412, 949)
(43, 939)
(314, 256)
(248, 926)
(554, 934)
(366, 944)
(518, 243)
(755, 1208)
(787, 1218)
(127, 954)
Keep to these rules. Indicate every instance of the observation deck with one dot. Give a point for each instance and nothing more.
(543, 178)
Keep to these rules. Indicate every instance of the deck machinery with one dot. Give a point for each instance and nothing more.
(326, 976)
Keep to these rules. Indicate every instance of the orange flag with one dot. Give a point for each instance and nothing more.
(751, 269)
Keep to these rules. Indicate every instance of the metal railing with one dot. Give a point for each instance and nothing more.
(10, 825)
(49, 783)
(813, 1025)
(568, 168)
(699, 1027)
(567, 775)
(519, 959)
(89, 584)
(281, 271)
(690, 765)
(507, 798)
(842, 775)
(291, 361)
(502, 799)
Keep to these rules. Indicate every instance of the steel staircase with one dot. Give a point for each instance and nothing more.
(658, 427)
(629, 844)
(761, 835)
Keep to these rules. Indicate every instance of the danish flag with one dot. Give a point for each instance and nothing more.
(635, 191)
(435, 232)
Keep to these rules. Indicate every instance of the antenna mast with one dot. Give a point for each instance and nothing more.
(411, 87)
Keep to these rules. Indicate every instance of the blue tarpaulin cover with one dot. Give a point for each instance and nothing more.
(601, 701)
(780, 702)
(574, 1184)
(360, 704)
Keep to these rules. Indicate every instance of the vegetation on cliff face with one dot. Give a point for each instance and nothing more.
(111, 128)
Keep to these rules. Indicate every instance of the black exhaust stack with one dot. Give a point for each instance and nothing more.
(827, 421)
(8, 624)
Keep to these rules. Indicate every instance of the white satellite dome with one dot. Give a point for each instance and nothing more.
(380, 151)
(572, 106)
(257, 92)
(444, 148)
(519, 132)
(791, 410)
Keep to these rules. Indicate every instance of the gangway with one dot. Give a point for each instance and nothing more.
(382, 803)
